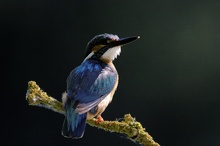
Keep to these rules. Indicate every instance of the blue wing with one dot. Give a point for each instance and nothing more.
(90, 83)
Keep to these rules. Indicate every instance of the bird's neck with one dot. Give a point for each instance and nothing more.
(107, 61)
(110, 63)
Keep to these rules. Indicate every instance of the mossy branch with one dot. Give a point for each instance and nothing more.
(128, 126)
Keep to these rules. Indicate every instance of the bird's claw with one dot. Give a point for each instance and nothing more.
(99, 119)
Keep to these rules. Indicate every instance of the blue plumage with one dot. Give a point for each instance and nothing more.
(87, 86)
(74, 123)
(91, 85)
(90, 80)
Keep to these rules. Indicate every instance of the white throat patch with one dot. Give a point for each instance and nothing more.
(112, 53)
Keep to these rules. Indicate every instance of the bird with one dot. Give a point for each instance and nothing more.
(92, 84)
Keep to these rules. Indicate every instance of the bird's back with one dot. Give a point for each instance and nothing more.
(91, 81)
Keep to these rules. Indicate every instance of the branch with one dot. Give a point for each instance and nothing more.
(128, 127)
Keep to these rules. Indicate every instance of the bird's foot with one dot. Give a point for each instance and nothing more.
(99, 119)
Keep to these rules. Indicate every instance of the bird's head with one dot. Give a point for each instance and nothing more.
(106, 47)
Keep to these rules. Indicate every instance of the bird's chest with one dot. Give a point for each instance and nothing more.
(104, 103)
(116, 83)
(100, 108)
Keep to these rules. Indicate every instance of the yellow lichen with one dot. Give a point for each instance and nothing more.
(128, 126)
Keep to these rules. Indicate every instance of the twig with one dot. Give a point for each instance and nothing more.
(131, 128)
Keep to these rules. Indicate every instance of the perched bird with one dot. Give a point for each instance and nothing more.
(91, 85)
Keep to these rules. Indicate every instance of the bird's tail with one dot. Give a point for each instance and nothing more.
(74, 125)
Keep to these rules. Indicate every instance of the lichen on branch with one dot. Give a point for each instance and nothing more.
(128, 126)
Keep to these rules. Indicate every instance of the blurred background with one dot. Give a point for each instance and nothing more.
(169, 79)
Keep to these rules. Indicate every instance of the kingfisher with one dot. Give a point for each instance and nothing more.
(91, 85)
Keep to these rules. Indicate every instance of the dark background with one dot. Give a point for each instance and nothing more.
(169, 79)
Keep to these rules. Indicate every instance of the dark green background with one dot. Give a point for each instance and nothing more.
(169, 79)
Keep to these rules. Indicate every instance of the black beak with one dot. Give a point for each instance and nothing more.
(123, 41)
